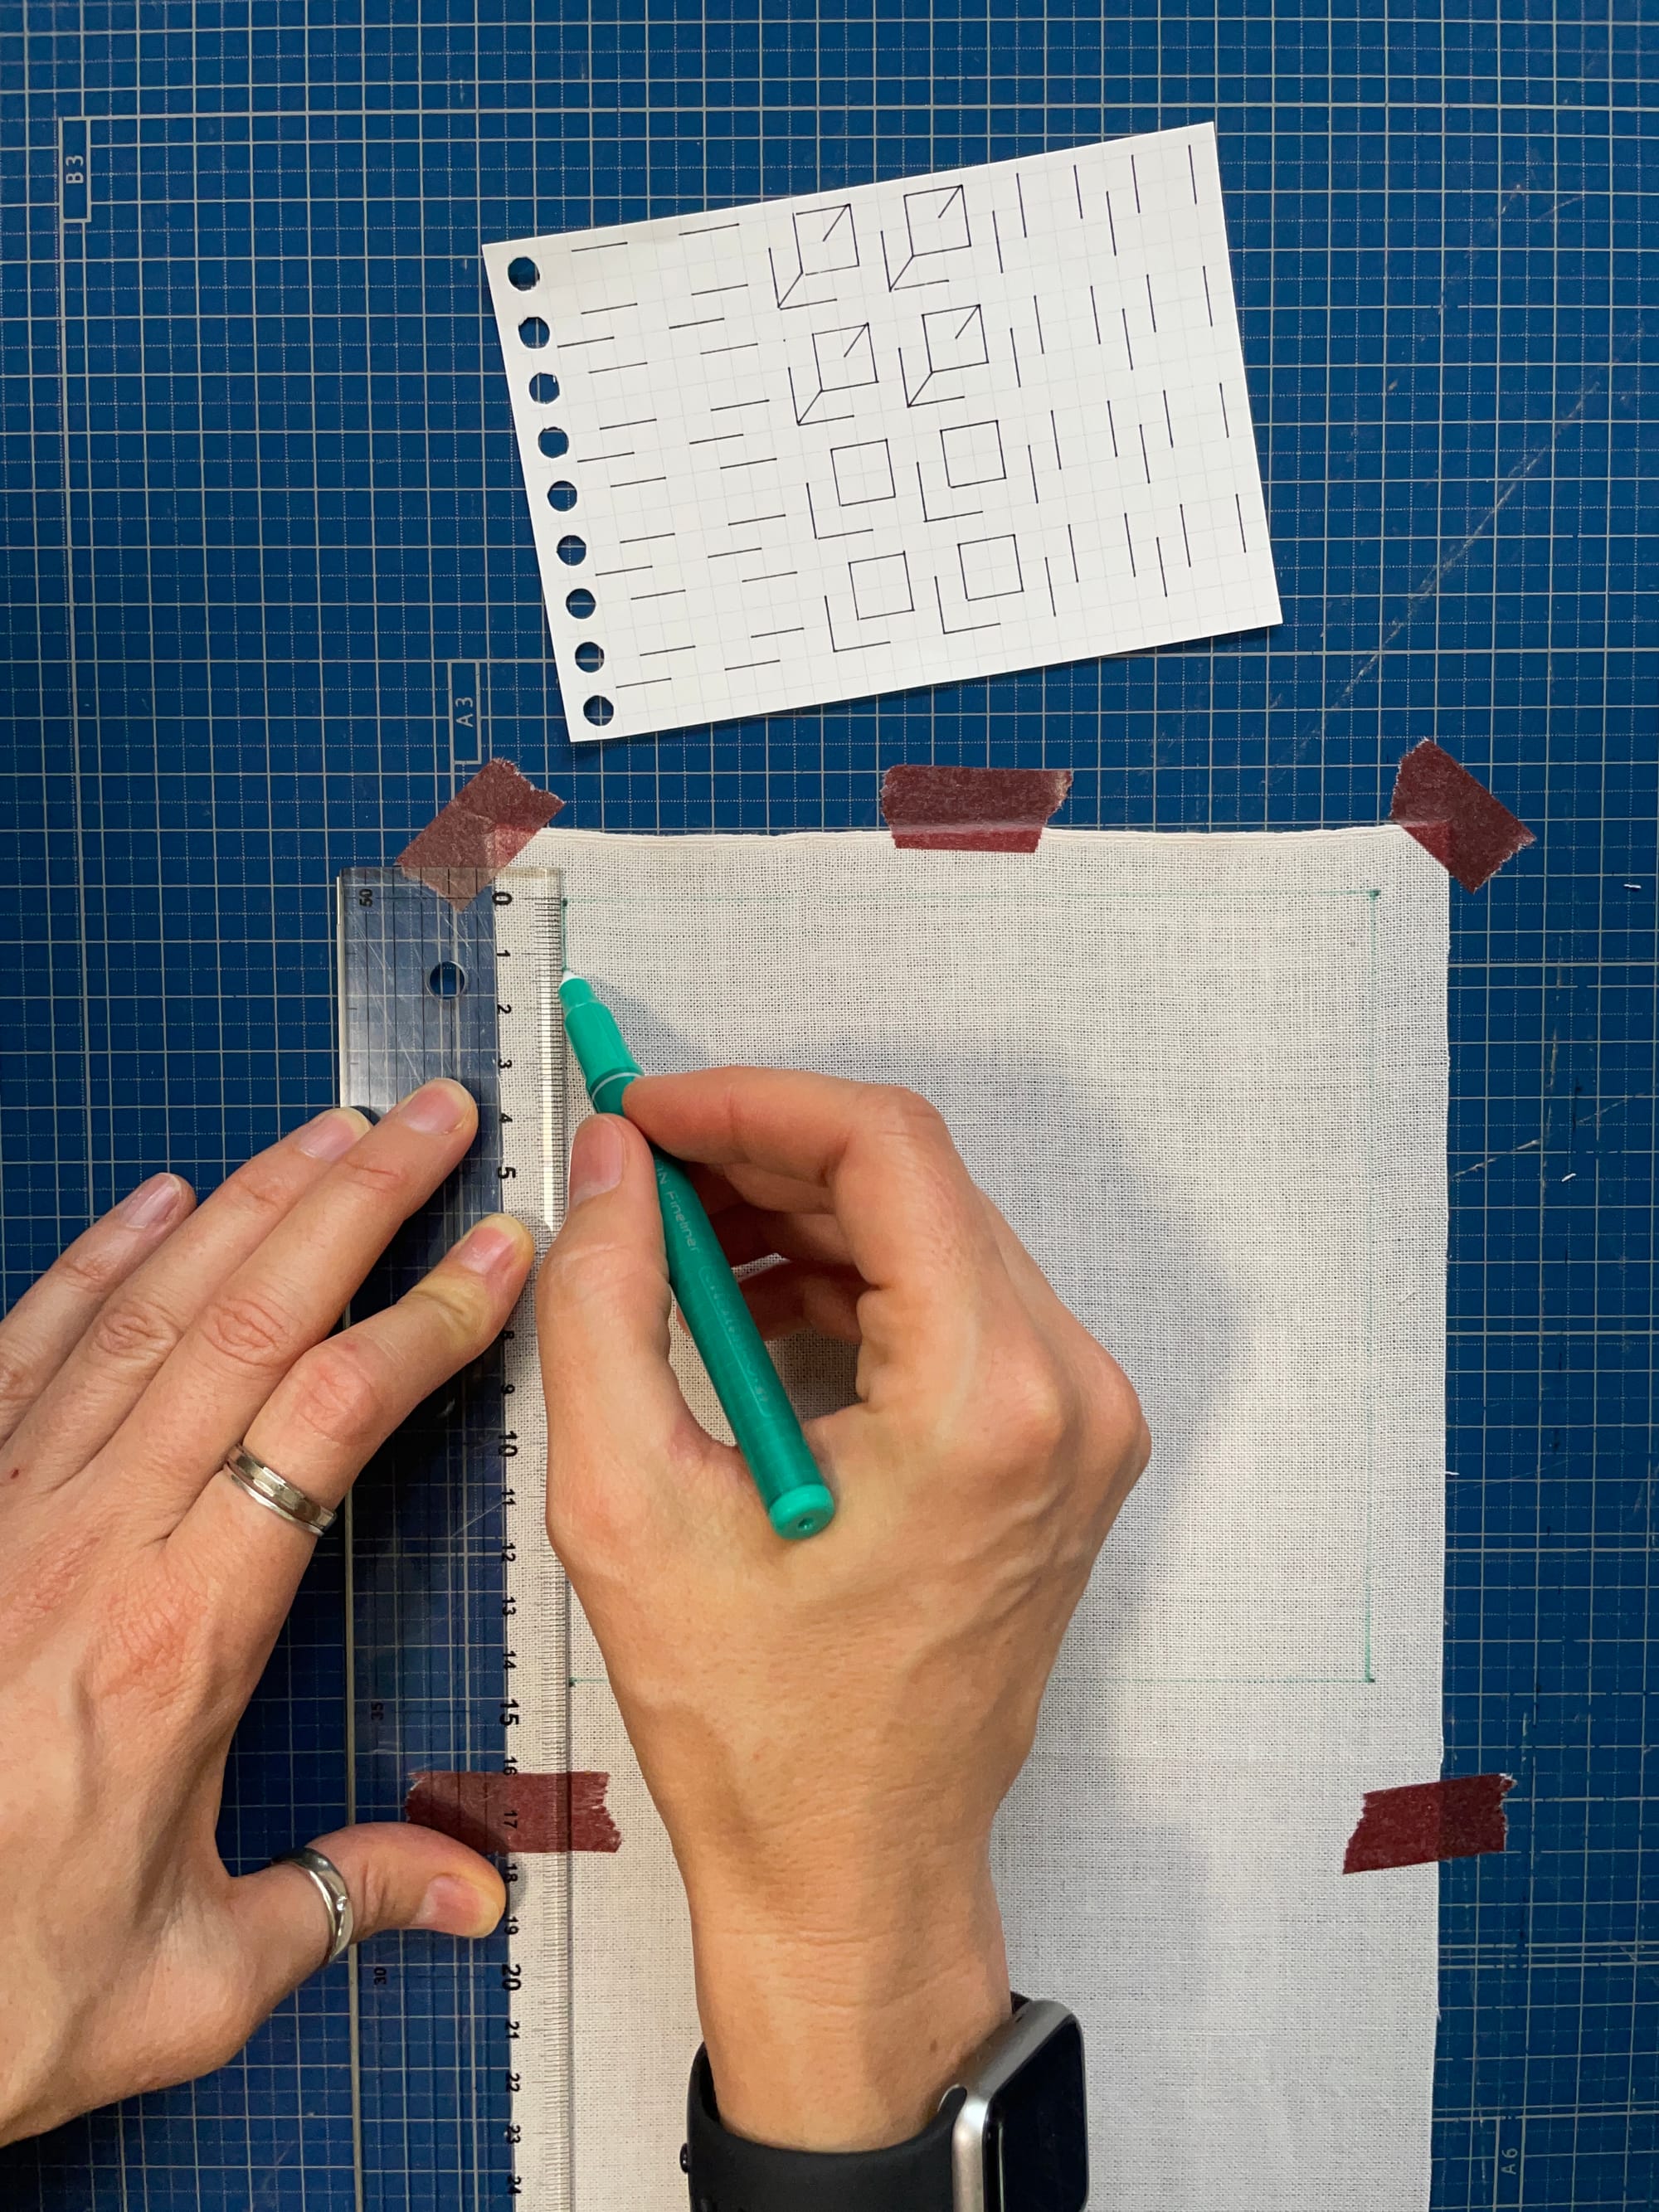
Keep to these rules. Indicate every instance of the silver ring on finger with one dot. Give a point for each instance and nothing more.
(276, 1493)
(330, 1887)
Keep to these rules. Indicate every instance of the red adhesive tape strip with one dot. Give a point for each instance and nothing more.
(516, 1812)
(1457, 1818)
(488, 823)
(970, 810)
(1452, 815)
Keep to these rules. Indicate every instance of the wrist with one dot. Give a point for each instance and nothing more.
(838, 2027)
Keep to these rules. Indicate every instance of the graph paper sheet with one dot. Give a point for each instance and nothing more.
(1205, 1078)
(904, 434)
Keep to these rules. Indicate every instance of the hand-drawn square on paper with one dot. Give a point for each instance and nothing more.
(990, 568)
(882, 586)
(826, 240)
(955, 338)
(973, 454)
(845, 359)
(863, 473)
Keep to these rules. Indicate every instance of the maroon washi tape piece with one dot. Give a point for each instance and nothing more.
(1453, 815)
(488, 824)
(970, 810)
(516, 1812)
(1458, 1819)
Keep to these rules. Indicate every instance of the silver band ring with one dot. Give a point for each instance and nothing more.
(276, 1493)
(330, 1887)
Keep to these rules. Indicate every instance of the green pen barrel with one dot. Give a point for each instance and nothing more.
(755, 1403)
(739, 1365)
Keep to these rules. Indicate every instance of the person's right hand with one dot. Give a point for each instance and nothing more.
(828, 1727)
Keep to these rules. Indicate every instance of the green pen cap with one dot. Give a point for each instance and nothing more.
(754, 1399)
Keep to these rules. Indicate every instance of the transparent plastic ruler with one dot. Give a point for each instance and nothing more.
(455, 1599)
(527, 909)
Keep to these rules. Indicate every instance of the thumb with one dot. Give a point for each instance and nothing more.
(603, 1304)
(397, 1877)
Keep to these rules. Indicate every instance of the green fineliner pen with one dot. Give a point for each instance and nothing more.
(722, 1328)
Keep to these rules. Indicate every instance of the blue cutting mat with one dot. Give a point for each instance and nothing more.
(262, 513)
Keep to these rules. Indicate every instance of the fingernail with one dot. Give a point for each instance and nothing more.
(435, 1109)
(331, 1135)
(454, 1907)
(148, 1207)
(494, 1244)
(596, 1159)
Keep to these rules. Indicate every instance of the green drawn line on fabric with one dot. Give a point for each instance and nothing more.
(1236, 1681)
(1371, 1294)
(1013, 899)
(1004, 901)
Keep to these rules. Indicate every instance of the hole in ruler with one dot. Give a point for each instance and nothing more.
(598, 710)
(544, 387)
(446, 980)
(561, 495)
(572, 549)
(553, 443)
(580, 603)
(523, 274)
(589, 656)
(533, 331)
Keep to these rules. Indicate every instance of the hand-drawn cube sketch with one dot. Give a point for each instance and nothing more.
(888, 433)
(881, 586)
(990, 568)
(935, 223)
(826, 245)
(952, 340)
(973, 454)
(844, 360)
(863, 473)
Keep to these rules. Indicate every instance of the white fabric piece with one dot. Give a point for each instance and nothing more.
(1205, 1077)
(899, 434)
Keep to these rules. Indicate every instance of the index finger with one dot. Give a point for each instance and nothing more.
(913, 1221)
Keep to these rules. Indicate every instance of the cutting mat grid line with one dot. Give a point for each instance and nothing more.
(262, 511)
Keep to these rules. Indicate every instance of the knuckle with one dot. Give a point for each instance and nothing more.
(221, 2026)
(908, 1113)
(460, 1301)
(90, 1266)
(133, 1334)
(1036, 1410)
(17, 1384)
(248, 1328)
(374, 1176)
(339, 1391)
(372, 1898)
(1113, 1400)
(263, 1189)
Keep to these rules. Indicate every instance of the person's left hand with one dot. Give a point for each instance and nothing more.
(141, 1591)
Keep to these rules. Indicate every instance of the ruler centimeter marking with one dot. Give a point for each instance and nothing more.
(458, 1614)
(527, 910)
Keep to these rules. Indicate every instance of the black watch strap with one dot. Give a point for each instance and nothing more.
(728, 2173)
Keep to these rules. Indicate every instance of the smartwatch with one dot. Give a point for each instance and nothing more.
(1011, 2135)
